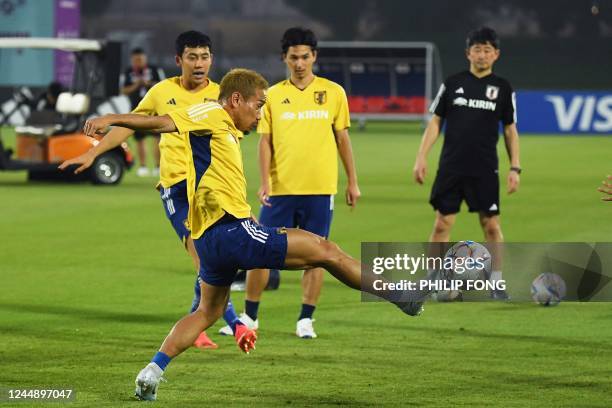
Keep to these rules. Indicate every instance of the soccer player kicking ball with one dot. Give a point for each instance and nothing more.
(194, 57)
(472, 103)
(225, 236)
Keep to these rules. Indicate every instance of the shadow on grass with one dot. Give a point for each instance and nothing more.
(123, 186)
(280, 396)
(463, 332)
(551, 382)
(90, 314)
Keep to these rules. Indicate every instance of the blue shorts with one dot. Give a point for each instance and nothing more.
(239, 244)
(311, 213)
(176, 206)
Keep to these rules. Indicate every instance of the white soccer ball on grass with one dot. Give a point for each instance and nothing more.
(548, 289)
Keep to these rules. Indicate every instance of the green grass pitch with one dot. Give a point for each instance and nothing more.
(92, 279)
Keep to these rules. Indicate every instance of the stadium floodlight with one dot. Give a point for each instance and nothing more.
(383, 80)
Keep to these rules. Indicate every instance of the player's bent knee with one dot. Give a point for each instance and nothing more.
(307, 250)
(329, 252)
(210, 312)
(493, 231)
(490, 225)
(442, 226)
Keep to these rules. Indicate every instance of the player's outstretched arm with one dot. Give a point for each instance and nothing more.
(432, 131)
(511, 140)
(345, 150)
(113, 139)
(154, 124)
(606, 188)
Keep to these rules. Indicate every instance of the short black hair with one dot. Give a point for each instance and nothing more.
(192, 39)
(482, 35)
(298, 36)
(137, 51)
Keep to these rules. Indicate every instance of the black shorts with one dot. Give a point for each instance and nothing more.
(138, 135)
(481, 193)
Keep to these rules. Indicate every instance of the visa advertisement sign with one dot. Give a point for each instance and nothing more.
(564, 112)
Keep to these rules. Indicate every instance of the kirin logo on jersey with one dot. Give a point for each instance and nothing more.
(492, 92)
(475, 103)
(320, 97)
(304, 115)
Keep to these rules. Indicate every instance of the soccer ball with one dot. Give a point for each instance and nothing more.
(548, 289)
(468, 260)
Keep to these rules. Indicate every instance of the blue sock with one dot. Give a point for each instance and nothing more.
(251, 308)
(234, 323)
(161, 359)
(230, 313)
(196, 296)
(307, 311)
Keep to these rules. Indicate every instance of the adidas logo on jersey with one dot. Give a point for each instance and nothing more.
(493, 207)
(171, 102)
(459, 90)
(285, 101)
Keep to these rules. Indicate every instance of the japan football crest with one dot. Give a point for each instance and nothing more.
(492, 92)
(320, 97)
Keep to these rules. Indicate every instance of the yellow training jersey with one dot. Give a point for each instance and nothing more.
(165, 97)
(302, 124)
(215, 175)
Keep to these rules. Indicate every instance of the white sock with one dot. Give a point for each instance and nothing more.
(495, 276)
(157, 369)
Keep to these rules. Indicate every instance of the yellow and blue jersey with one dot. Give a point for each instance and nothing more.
(164, 97)
(301, 124)
(215, 174)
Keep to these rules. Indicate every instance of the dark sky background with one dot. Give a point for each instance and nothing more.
(546, 44)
